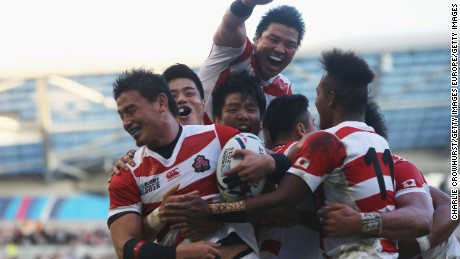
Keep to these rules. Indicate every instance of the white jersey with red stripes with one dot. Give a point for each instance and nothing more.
(293, 242)
(193, 165)
(354, 166)
(222, 61)
(409, 179)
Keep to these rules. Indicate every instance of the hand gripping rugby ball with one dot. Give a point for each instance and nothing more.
(226, 162)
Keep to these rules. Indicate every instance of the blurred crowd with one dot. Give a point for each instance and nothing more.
(55, 240)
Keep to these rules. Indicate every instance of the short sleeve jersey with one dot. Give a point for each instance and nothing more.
(193, 165)
(354, 166)
(222, 61)
(408, 178)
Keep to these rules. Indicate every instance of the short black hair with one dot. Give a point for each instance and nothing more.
(286, 15)
(183, 71)
(147, 83)
(348, 76)
(375, 118)
(283, 113)
(238, 82)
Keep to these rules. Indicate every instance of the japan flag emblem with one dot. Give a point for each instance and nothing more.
(302, 162)
(409, 183)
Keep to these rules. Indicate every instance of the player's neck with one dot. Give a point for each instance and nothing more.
(347, 116)
(167, 150)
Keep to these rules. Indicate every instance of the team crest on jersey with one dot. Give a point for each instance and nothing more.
(201, 164)
(150, 186)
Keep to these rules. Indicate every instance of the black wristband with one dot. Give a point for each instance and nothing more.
(241, 10)
(147, 250)
(282, 165)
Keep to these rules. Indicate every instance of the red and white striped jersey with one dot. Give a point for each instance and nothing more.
(193, 165)
(354, 166)
(222, 61)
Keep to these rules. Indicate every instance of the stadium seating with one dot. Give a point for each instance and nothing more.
(412, 88)
(85, 133)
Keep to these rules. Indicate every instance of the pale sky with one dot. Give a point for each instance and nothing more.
(45, 37)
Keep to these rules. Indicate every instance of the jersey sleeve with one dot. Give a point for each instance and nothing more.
(124, 194)
(225, 133)
(408, 178)
(320, 154)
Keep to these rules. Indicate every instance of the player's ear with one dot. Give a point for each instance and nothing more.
(162, 100)
(300, 130)
(332, 99)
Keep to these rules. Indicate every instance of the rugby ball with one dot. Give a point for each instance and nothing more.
(226, 162)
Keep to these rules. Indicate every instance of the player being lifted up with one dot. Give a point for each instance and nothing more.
(277, 38)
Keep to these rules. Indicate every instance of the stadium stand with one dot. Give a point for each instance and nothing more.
(411, 88)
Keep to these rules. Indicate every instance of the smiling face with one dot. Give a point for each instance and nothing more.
(140, 117)
(243, 115)
(189, 102)
(275, 49)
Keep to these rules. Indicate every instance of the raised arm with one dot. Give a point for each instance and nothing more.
(232, 31)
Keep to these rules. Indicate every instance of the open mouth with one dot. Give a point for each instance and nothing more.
(244, 128)
(184, 111)
(275, 61)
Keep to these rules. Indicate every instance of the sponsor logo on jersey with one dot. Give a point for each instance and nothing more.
(172, 174)
(150, 186)
(201, 164)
